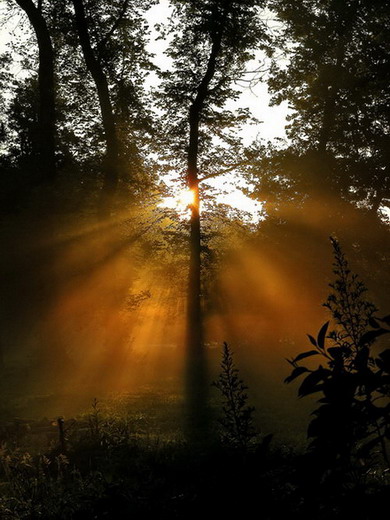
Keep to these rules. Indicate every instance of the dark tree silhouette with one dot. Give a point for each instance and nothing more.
(195, 325)
(212, 42)
(238, 429)
(46, 80)
(335, 83)
(111, 165)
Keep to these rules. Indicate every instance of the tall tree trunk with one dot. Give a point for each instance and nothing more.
(111, 165)
(196, 363)
(46, 115)
(1, 358)
(196, 359)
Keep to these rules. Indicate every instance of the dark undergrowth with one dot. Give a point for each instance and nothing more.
(114, 463)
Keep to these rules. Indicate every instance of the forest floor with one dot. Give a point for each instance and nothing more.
(127, 456)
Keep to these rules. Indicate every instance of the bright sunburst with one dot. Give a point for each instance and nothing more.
(180, 202)
(185, 199)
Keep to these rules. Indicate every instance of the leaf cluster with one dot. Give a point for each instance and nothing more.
(119, 37)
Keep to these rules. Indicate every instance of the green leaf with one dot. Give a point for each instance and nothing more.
(335, 352)
(365, 450)
(373, 323)
(361, 358)
(312, 390)
(384, 360)
(310, 384)
(266, 442)
(385, 355)
(386, 319)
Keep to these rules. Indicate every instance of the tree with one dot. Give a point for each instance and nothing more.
(105, 72)
(212, 40)
(353, 418)
(46, 81)
(63, 216)
(94, 66)
(106, 76)
(336, 84)
(329, 65)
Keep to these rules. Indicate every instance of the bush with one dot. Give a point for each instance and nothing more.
(237, 428)
(350, 428)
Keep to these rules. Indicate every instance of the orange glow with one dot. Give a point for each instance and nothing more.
(114, 305)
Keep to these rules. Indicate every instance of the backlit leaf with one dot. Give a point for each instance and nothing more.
(321, 336)
(305, 355)
(311, 383)
(371, 335)
(295, 373)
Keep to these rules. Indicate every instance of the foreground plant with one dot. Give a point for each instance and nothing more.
(237, 428)
(352, 423)
(44, 487)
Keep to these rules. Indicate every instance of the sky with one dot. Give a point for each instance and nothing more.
(272, 118)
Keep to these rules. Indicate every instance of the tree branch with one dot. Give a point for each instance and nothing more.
(103, 42)
(226, 170)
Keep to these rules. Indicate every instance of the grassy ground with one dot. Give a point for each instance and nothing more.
(126, 457)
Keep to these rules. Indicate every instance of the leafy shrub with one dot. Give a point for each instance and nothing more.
(351, 425)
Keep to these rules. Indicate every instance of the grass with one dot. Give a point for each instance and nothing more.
(125, 457)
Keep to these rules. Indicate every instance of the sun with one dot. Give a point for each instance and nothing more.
(185, 199)
(181, 202)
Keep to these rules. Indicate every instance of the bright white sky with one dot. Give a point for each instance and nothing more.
(256, 99)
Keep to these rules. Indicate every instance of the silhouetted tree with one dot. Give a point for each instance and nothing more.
(113, 40)
(336, 82)
(330, 63)
(46, 82)
(211, 42)
(237, 427)
(111, 166)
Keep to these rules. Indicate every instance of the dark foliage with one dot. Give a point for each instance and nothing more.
(117, 465)
(351, 425)
(237, 430)
(114, 469)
